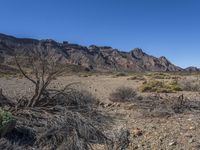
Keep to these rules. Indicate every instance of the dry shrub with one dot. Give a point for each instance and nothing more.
(121, 140)
(121, 74)
(160, 86)
(79, 101)
(190, 85)
(123, 94)
(70, 98)
(64, 122)
(157, 106)
(7, 145)
(67, 130)
(71, 131)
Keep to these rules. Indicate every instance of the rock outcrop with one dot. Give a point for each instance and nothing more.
(93, 57)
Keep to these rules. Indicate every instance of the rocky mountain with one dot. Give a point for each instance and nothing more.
(92, 57)
(192, 69)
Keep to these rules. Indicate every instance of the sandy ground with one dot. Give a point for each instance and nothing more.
(100, 86)
(177, 132)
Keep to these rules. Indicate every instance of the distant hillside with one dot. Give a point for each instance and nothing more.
(192, 69)
(92, 57)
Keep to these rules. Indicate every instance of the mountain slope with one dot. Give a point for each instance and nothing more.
(93, 57)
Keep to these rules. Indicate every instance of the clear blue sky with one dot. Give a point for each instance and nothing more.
(160, 27)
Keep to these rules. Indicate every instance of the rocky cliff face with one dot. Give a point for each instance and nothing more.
(93, 57)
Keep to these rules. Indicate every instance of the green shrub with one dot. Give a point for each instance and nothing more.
(7, 122)
(160, 86)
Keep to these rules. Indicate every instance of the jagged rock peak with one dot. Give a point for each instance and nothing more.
(137, 52)
(99, 47)
(164, 60)
(93, 47)
(50, 41)
(65, 42)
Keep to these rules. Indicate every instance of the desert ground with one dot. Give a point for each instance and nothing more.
(156, 128)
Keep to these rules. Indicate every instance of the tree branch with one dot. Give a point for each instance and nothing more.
(23, 72)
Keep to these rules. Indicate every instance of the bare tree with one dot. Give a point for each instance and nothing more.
(45, 66)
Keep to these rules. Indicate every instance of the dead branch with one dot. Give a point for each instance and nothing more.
(45, 67)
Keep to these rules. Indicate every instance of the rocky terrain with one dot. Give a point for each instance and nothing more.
(149, 129)
(92, 57)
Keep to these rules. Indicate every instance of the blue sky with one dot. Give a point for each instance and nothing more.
(160, 27)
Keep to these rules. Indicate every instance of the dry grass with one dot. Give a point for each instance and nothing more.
(189, 84)
(136, 77)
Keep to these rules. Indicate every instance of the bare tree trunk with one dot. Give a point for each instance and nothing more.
(35, 97)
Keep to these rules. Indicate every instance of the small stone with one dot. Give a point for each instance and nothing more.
(102, 104)
(191, 140)
(188, 135)
(118, 105)
(172, 143)
(153, 127)
(130, 107)
(192, 128)
(136, 147)
(161, 139)
(136, 132)
(108, 105)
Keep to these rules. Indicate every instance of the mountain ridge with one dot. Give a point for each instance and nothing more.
(92, 57)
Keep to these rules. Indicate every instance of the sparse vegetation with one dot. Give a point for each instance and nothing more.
(158, 75)
(123, 94)
(160, 86)
(157, 106)
(136, 77)
(120, 74)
